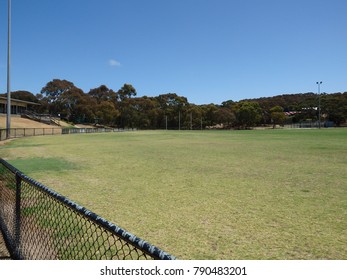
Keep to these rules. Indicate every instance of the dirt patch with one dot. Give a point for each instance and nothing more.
(4, 142)
(18, 122)
(84, 126)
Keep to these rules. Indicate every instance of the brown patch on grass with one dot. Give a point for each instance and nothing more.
(4, 142)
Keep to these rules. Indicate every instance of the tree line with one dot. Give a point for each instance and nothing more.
(123, 108)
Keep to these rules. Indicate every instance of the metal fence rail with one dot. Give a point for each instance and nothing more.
(39, 223)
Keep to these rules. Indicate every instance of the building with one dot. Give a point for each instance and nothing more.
(17, 106)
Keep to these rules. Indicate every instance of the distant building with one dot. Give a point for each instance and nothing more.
(292, 113)
(17, 106)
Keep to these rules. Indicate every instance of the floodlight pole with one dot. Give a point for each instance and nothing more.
(319, 83)
(8, 116)
(191, 121)
(179, 120)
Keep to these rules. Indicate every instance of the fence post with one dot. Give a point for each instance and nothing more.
(18, 217)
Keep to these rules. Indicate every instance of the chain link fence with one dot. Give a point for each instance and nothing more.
(39, 223)
(94, 130)
(26, 132)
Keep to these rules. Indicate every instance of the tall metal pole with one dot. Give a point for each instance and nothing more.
(191, 121)
(319, 83)
(8, 116)
(179, 120)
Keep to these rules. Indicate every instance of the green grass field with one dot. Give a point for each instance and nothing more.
(269, 194)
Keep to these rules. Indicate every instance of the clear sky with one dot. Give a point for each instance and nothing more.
(209, 51)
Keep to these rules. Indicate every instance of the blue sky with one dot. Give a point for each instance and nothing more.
(207, 50)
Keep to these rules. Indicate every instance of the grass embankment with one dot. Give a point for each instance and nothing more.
(18, 122)
(276, 194)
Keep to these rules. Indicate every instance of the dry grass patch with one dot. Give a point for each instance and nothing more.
(18, 122)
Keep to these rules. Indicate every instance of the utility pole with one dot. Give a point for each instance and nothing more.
(8, 116)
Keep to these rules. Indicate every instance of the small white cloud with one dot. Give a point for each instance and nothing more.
(114, 63)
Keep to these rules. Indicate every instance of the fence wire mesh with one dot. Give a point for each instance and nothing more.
(38, 223)
(28, 132)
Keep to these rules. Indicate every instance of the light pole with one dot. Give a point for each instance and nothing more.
(8, 115)
(319, 83)
(191, 121)
(179, 121)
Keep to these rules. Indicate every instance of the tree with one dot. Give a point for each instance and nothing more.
(103, 93)
(123, 96)
(107, 113)
(248, 114)
(69, 101)
(228, 104)
(224, 116)
(55, 88)
(334, 106)
(209, 113)
(277, 115)
(194, 117)
(127, 91)
(171, 107)
(141, 112)
(85, 109)
(52, 92)
(24, 95)
(63, 97)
